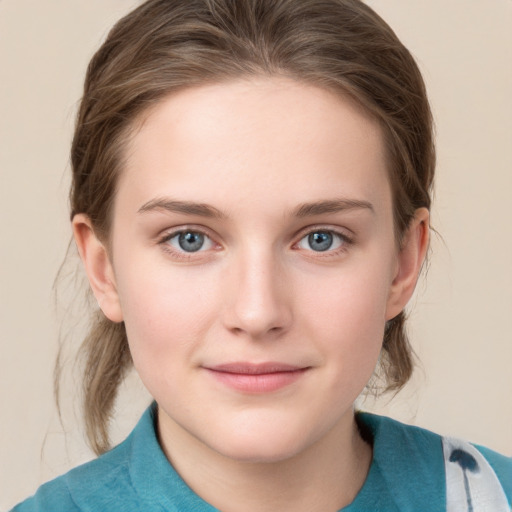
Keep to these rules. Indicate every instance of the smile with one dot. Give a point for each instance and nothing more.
(256, 378)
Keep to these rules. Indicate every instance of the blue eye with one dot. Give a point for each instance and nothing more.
(190, 241)
(321, 241)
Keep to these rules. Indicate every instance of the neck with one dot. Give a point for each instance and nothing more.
(326, 476)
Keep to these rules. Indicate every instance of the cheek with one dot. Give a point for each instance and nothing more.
(347, 313)
(165, 313)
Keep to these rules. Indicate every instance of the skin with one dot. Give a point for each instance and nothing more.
(256, 152)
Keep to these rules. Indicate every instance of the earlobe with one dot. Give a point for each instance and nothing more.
(98, 267)
(410, 260)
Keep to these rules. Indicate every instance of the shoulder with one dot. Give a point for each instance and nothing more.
(413, 454)
(135, 475)
(502, 466)
(105, 483)
(96, 485)
(409, 461)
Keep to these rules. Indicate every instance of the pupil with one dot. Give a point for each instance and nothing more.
(191, 242)
(320, 241)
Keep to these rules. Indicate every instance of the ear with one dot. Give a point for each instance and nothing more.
(98, 267)
(410, 259)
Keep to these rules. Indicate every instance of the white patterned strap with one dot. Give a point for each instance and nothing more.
(471, 483)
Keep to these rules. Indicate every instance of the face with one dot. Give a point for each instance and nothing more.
(254, 263)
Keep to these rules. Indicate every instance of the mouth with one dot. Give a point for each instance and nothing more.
(256, 378)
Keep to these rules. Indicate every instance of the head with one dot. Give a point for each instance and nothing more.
(165, 48)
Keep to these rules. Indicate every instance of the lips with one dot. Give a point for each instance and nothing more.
(255, 369)
(256, 378)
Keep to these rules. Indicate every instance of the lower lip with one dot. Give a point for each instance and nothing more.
(258, 383)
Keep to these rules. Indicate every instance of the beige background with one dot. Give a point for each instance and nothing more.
(461, 319)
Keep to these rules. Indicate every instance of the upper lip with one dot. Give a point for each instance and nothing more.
(255, 368)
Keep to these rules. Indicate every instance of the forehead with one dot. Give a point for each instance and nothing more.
(271, 138)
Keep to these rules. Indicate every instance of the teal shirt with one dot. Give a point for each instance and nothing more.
(407, 474)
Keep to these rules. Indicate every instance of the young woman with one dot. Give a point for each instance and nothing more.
(250, 199)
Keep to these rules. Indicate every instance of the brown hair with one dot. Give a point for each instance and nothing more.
(164, 45)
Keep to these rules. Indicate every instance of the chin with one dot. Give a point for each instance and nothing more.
(262, 445)
(258, 454)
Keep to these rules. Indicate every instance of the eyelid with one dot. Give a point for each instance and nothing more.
(170, 233)
(207, 242)
(346, 235)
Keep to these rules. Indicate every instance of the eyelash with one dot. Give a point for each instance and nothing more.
(345, 241)
(183, 255)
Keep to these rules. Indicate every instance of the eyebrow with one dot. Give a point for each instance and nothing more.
(331, 206)
(208, 211)
(186, 207)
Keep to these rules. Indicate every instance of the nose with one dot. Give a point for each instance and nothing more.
(259, 305)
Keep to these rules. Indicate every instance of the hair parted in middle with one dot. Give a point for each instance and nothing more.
(167, 45)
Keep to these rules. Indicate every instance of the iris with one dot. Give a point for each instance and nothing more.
(191, 241)
(320, 240)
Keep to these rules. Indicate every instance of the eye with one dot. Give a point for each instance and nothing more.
(189, 241)
(322, 240)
